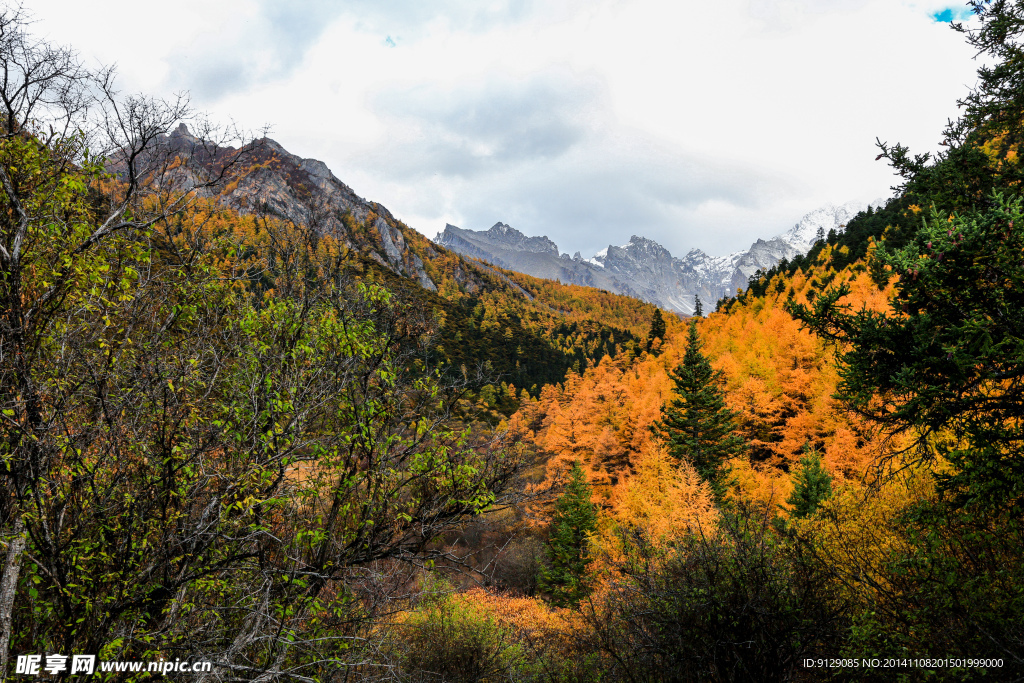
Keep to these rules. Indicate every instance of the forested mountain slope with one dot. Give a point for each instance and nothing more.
(495, 326)
(777, 377)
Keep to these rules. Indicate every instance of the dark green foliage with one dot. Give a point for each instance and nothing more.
(742, 604)
(983, 144)
(965, 176)
(698, 308)
(953, 583)
(575, 518)
(657, 329)
(812, 484)
(948, 360)
(997, 101)
(516, 353)
(695, 424)
(519, 349)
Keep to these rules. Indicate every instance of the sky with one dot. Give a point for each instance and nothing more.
(696, 124)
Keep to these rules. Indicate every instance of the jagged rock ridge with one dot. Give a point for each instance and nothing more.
(506, 247)
(642, 267)
(306, 192)
(271, 180)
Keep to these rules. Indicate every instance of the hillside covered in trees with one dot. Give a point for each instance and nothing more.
(252, 420)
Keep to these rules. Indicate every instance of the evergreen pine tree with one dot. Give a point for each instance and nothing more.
(696, 425)
(657, 329)
(698, 309)
(565, 577)
(812, 485)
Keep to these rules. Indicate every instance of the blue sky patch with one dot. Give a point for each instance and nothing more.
(952, 14)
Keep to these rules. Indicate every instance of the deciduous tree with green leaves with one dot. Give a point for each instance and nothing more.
(67, 255)
(214, 444)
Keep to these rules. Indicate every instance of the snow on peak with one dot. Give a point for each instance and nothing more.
(598, 258)
(804, 234)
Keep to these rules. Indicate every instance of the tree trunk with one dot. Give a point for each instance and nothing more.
(8, 588)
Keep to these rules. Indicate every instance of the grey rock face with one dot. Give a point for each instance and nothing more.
(393, 243)
(538, 256)
(658, 276)
(642, 267)
(507, 237)
(421, 275)
(305, 192)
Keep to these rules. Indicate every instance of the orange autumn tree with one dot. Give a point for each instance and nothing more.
(781, 379)
(778, 379)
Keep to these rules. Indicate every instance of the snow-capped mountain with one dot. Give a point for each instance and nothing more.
(642, 267)
(804, 234)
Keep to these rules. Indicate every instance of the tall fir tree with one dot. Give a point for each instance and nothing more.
(698, 307)
(565, 576)
(812, 485)
(657, 329)
(695, 424)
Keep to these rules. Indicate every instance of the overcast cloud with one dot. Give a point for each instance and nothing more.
(692, 124)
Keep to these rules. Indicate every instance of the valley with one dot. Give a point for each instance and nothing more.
(253, 420)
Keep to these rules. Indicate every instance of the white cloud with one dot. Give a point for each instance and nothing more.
(693, 124)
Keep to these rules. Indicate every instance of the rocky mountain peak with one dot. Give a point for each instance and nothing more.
(644, 268)
(271, 180)
(642, 247)
(509, 237)
(504, 229)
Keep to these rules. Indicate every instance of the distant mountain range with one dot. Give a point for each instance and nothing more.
(276, 182)
(643, 268)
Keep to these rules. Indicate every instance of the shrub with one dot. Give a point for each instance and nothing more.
(741, 604)
(453, 640)
(953, 583)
